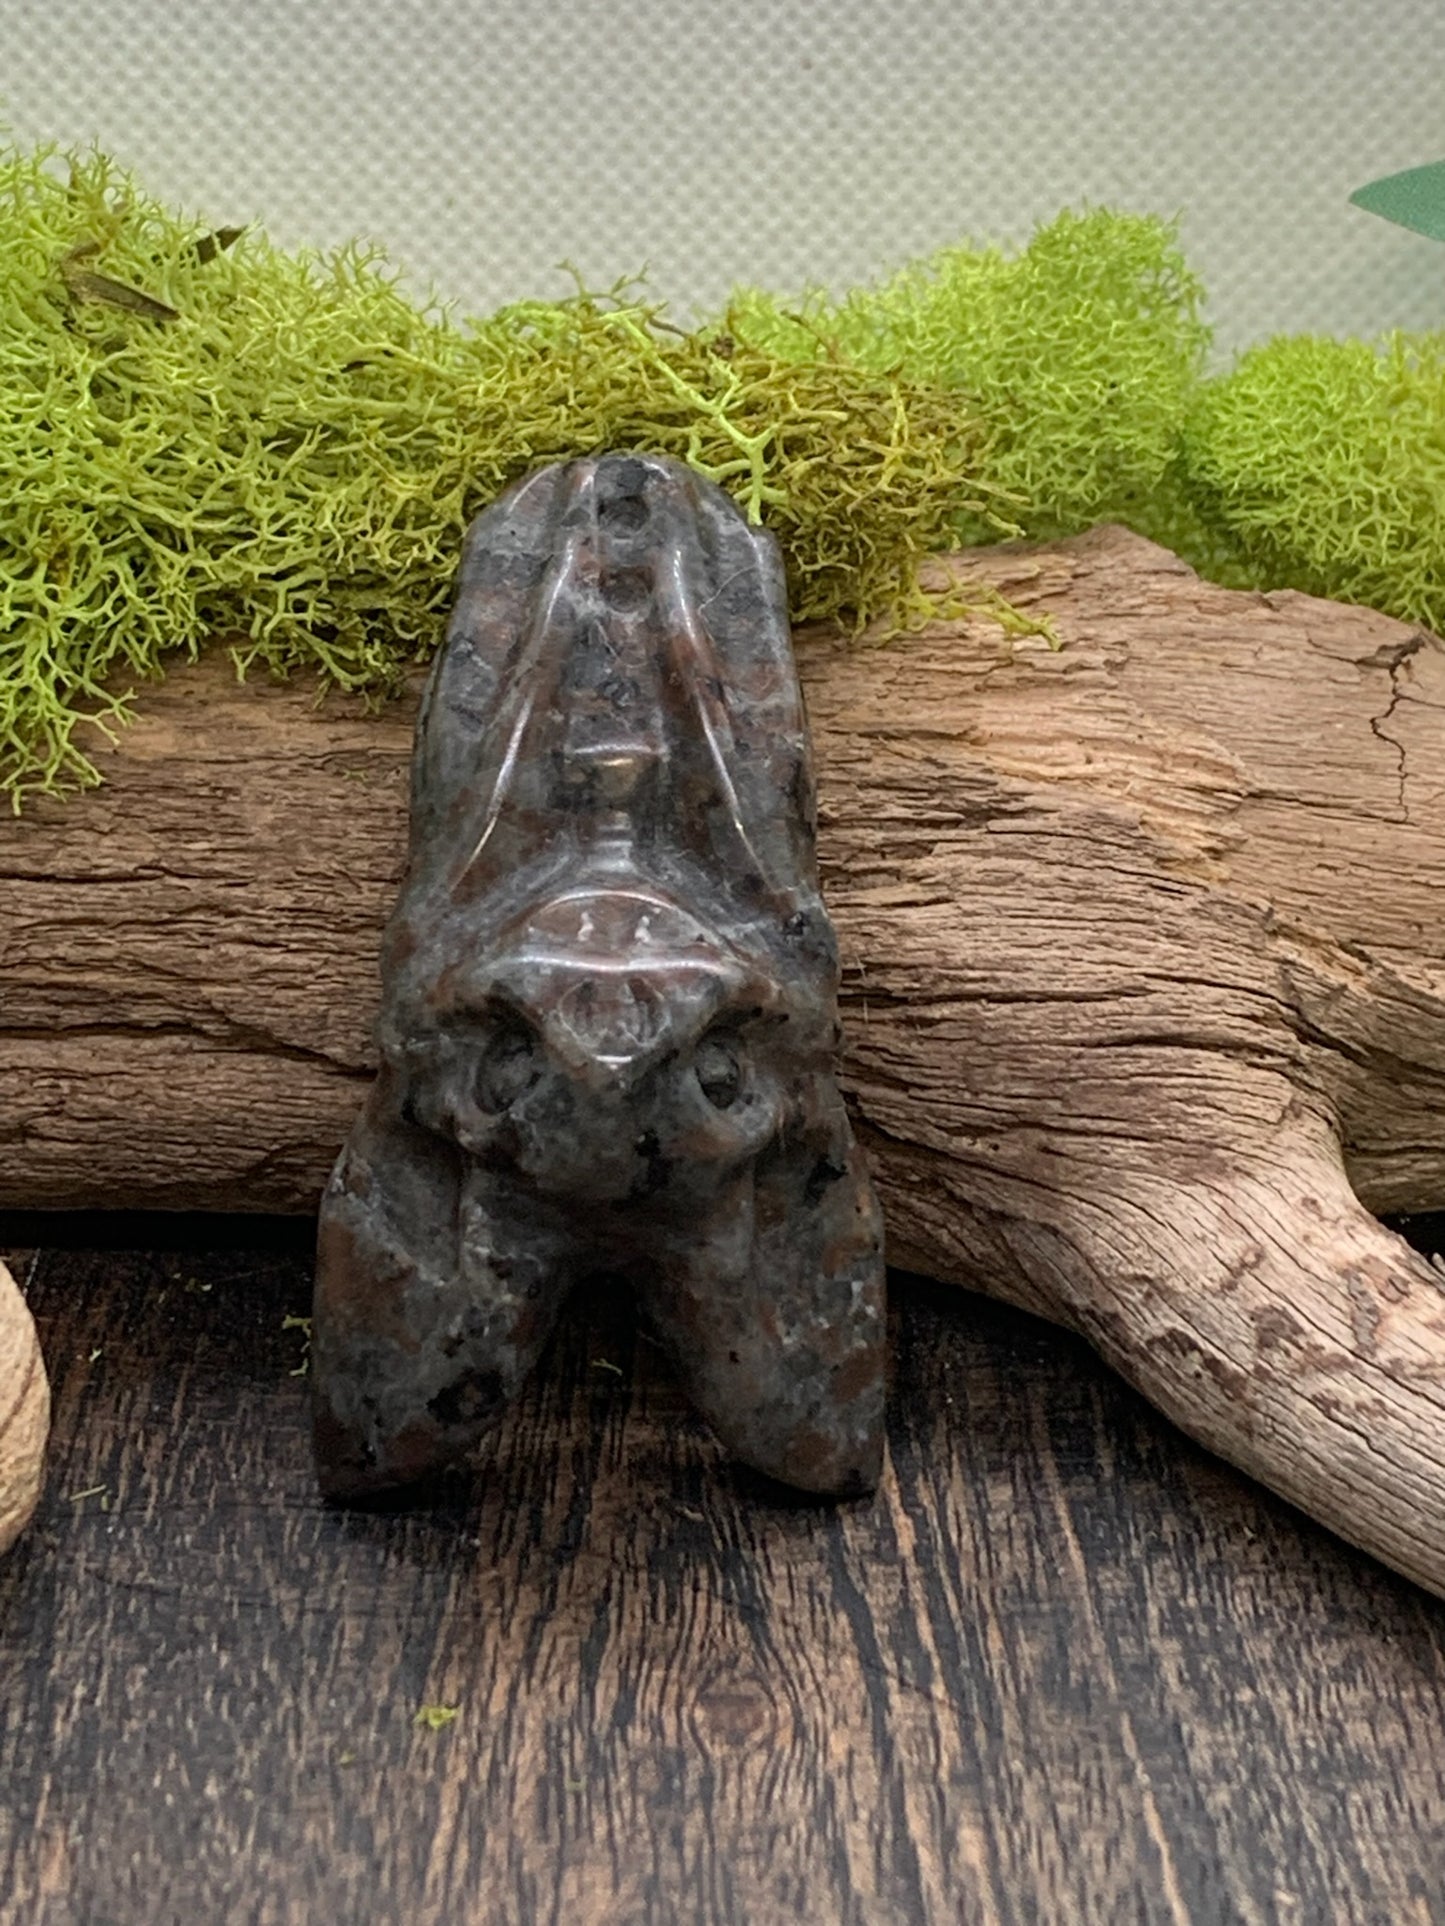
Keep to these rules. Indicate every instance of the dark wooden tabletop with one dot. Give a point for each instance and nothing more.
(1065, 1668)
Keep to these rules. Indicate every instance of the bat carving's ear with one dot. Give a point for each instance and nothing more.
(436, 1288)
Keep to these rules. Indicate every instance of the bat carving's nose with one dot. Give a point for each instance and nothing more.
(619, 1022)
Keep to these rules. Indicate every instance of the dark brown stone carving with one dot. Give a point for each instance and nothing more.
(609, 1008)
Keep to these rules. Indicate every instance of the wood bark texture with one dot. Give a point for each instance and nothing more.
(1144, 984)
(1063, 1671)
(24, 1412)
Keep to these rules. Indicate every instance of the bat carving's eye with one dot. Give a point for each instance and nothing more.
(719, 1072)
(508, 1069)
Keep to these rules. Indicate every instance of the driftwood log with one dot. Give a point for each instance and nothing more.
(1144, 985)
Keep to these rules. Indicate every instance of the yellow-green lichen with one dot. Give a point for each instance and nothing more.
(204, 436)
(1080, 355)
(290, 461)
(1324, 463)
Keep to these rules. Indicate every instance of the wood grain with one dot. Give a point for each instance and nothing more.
(1205, 834)
(1065, 1668)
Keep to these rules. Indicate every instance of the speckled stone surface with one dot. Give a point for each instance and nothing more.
(609, 1008)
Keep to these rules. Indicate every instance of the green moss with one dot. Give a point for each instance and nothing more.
(204, 436)
(290, 458)
(1324, 463)
(1316, 464)
(1080, 355)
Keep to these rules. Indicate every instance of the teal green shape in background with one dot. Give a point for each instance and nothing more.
(1414, 199)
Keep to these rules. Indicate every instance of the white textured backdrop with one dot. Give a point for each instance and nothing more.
(484, 141)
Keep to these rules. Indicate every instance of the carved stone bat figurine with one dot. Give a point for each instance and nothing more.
(609, 1014)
